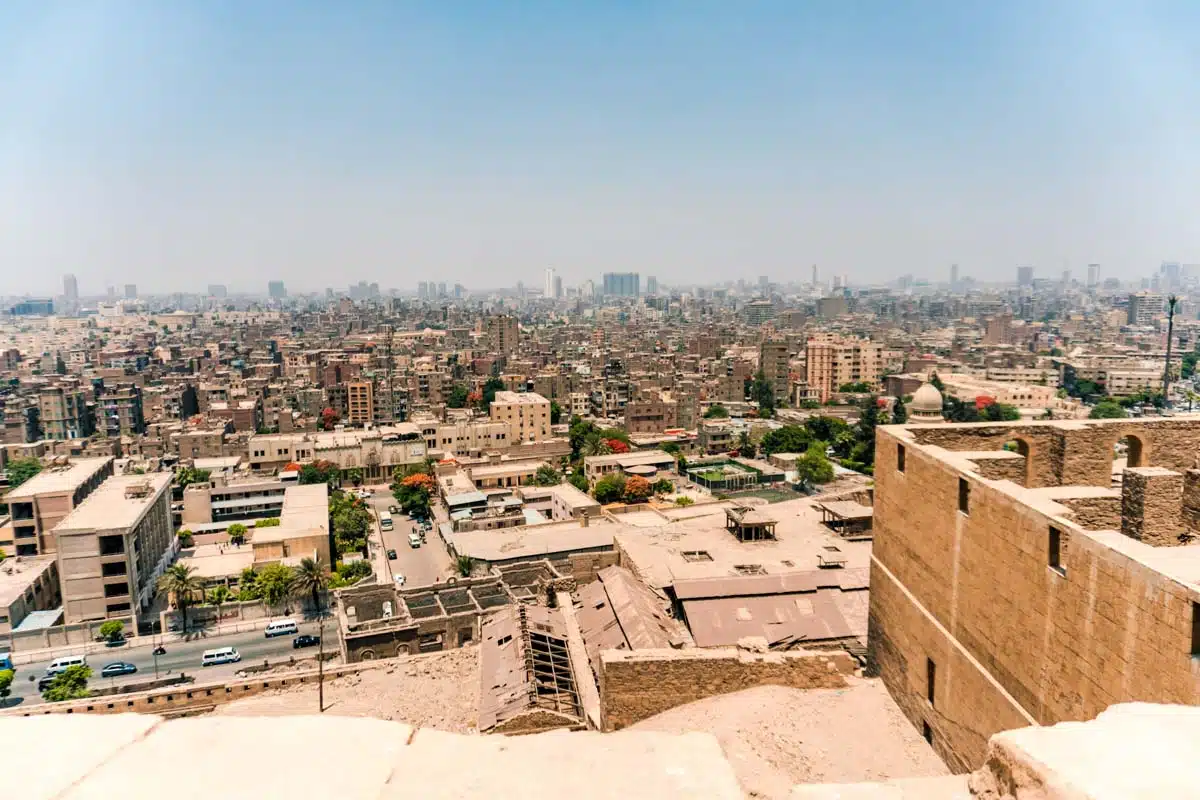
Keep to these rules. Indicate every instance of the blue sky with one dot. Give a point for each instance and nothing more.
(174, 144)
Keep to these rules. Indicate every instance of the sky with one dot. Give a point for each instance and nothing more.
(177, 144)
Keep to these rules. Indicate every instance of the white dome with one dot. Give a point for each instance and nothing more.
(927, 399)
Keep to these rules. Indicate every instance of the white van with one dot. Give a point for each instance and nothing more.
(281, 628)
(59, 665)
(385, 521)
(222, 655)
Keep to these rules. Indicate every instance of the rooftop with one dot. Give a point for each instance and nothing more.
(58, 479)
(305, 509)
(112, 507)
(520, 398)
(525, 542)
(16, 575)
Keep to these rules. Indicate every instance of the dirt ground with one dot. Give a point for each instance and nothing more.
(439, 690)
(776, 737)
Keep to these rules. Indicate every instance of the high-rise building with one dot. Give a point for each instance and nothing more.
(833, 361)
(70, 290)
(1025, 276)
(65, 414)
(131, 291)
(764, 286)
(588, 290)
(1093, 274)
(773, 361)
(527, 415)
(1145, 307)
(548, 290)
(953, 275)
(622, 284)
(217, 290)
(120, 412)
(503, 333)
(360, 402)
(276, 290)
(814, 275)
(651, 285)
(441, 290)
(558, 287)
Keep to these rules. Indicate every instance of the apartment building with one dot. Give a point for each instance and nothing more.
(464, 437)
(120, 412)
(833, 361)
(64, 413)
(360, 403)
(39, 504)
(773, 362)
(245, 414)
(527, 415)
(1145, 307)
(113, 546)
(503, 334)
(209, 503)
(27, 585)
(652, 412)
(376, 451)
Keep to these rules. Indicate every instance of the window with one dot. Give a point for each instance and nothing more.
(964, 496)
(112, 545)
(1195, 630)
(900, 458)
(116, 589)
(1056, 551)
(930, 679)
(113, 570)
(749, 569)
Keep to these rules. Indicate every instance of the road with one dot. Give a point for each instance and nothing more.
(180, 657)
(420, 566)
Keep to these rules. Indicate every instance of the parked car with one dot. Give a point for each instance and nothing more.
(395, 510)
(119, 641)
(45, 681)
(305, 640)
(391, 554)
(399, 579)
(117, 668)
(414, 540)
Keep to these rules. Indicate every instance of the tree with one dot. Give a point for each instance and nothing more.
(182, 585)
(6, 679)
(3, 555)
(764, 393)
(248, 585)
(268, 522)
(1187, 365)
(662, 486)
(899, 412)
(310, 579)
(351, 520)
(864, 432)
(788, 439)
(329, 418)
(858, 387)
(1001, 412)
(22, 469)
(320, 472)
(578, 479)
(186, 476)
(112, 630)
(813, 468)
(578, 433)
(546, 475)
(610, 488)
(716, 411)
(616, 446)
(457, 397)
(70, 684)
(488, 393)
(555, 412)
(186, 539)
(354, 475)
(465, 565)
(1107, 409)
(835, 432)
(594, 445)
(684, 501)
(219, 596)
(237, 534)
(637, 489)
(937, 383)
(746, 448)
(275, 582)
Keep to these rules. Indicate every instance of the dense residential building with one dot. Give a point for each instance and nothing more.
(526, 414)
(360, 403)
(503, 333)
(41, 503)
(834, 361)
(65, 413)
(120, 412)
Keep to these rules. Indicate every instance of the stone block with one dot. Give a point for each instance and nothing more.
(1152, 505)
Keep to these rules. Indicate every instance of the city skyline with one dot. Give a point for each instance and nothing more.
(692, 143)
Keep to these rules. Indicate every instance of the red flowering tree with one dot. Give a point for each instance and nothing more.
(329, 418)
(617, 446)
(637, 489)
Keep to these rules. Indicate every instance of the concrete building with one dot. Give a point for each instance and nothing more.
(209, 503)
(1015, 586)
(113, 547)
(27, 585)
(120, 412)
(651, 412)
(360, 403)
(526, 414)
(503, 334)
(622, 284)
(773, 361)
(64, 413)
(1146, 307)
(833, 361)
(39, 504)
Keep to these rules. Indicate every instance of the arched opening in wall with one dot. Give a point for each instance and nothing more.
(1021, 448)
(1127, 452)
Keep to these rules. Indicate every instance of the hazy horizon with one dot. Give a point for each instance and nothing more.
(174, 145)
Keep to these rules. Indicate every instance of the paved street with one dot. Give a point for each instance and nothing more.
(421, 566)
(180, 657)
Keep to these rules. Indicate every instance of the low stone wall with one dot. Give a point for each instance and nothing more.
(80, 633)
(636, 685)
(196, 698)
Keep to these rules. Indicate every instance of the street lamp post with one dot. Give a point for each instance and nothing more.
(321, 664)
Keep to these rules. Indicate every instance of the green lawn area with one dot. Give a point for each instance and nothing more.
(772, 494)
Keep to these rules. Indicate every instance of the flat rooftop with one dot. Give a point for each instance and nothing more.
(55, 480)
(520, 398)
(305, 509)
(16, 575)
(214, 561)
(108, 508)
(535, 541)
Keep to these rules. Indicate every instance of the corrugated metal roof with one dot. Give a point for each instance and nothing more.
(783, 583)
(808, 617)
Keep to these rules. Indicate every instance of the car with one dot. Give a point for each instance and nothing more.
(399, 579)
(305, 640)
(117, 668)
(414, 540)
(391, 554)
(45, 681)
(118, 642)
(394, 510)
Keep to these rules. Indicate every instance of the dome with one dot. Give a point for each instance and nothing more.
(927, 400)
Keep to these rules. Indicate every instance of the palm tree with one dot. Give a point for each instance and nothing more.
(181, 583)
(311, 579)
(593, 445)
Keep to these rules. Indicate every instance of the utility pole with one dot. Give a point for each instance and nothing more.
(1172, 301)
(321, 663)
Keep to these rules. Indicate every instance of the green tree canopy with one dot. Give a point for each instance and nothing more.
(189, 475)
(716, 411)
(70, 684)
(555, 412)
(457, 398)
(275, 581)
(22, 469)
(547, 475)
(112, 630)
(320, 472)
(788, 439)
(1107, 409)
(813, 468)
(310, 579)
(488, 393)
(183, 586)
(6, 679)
(610, 488)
